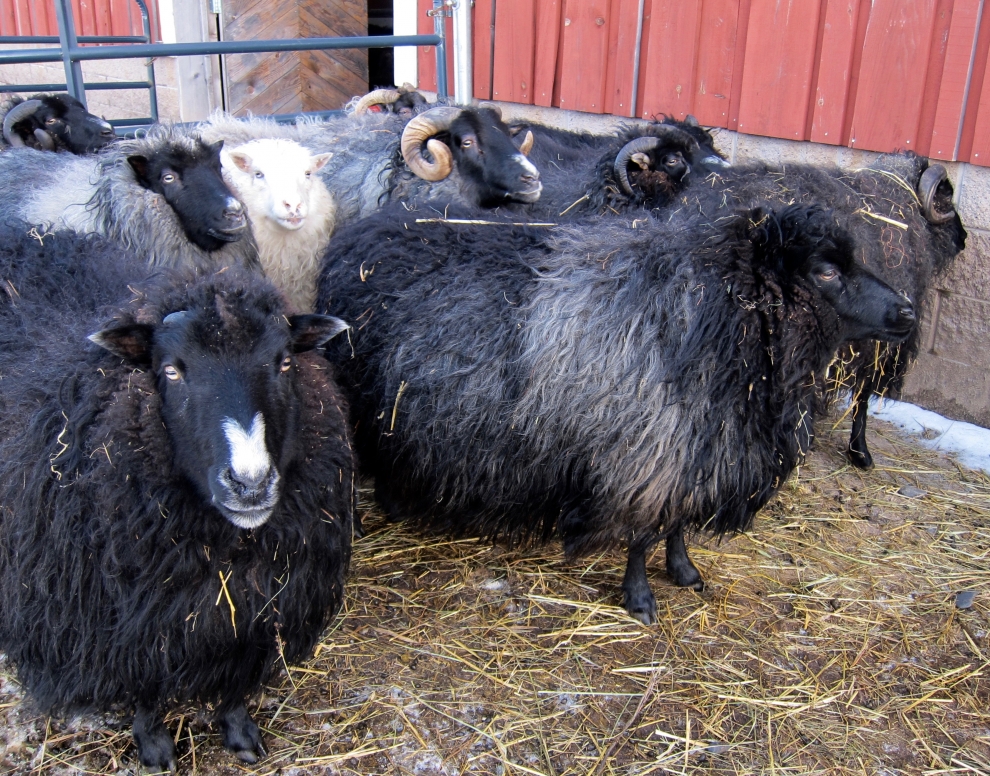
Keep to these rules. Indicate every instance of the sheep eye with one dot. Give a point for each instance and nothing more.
(286, 364)
(51, 121)
(172, 373)
(828, 274)
(168, 178)
(259, 175)
(467, 143)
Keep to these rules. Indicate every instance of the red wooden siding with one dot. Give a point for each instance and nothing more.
(92, 17)
(878, 75)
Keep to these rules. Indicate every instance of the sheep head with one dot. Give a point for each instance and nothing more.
(275, 178)
(226, 373)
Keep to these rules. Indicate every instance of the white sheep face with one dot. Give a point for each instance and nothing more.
(275, 179)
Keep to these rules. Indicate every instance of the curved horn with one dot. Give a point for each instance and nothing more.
(177, 317)
(636, 146)
(15, 114)
(377, 97)
(527, 144)
(492, 106)
(419, 130)
(714, 161)
(44, 139)
(927, 186)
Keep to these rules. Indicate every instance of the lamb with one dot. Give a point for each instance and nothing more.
(593, 382)
(291, 212)
(899, 210)
(161, 196)
(208, 539)
(53, 122)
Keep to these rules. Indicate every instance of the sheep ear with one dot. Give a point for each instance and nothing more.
(139, 164)
(319, 161)
(131, 342)
(241, 160)
(311, 331)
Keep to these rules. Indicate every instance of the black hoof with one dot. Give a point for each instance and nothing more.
(688, 576)
(155, 748)
(640, 603)
(861, 460)
(241, 735)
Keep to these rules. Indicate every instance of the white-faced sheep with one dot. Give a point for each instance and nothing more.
(596, 383)
(291, 212)
(162, 196)
(177, 497)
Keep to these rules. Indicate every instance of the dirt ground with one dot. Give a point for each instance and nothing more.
(829, 640)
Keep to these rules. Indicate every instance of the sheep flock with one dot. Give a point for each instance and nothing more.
(213, 337)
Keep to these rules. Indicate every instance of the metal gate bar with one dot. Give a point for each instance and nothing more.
(72, 54)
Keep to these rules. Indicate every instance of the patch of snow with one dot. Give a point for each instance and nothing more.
(969, 443)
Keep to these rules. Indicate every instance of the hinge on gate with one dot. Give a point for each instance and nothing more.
(445, 11)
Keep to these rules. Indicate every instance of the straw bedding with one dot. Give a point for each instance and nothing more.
(828, 641)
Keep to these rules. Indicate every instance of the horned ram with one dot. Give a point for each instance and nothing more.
(53, 122)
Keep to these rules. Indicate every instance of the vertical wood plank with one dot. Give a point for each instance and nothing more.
(101, 17)
(979, 146)
(716, 56)
(8, 21)
(738, 62)
(835, 74)
(22, 18)
(481, 45)
(780, 58)
(667, 67)
(952, 90)
(892, 77)
(937, 54)
(621, 57)
(584, 51)
(548, 32)
(515, 35)
(974, 99)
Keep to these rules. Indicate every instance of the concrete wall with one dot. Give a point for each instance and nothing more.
(952, 373)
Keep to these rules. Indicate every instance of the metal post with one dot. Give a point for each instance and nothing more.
(69, 45)
(152, 87)
(439, 28)
(463, 72)
(639, 48)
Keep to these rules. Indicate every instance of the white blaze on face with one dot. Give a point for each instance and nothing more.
(526, 164)
(249, 459)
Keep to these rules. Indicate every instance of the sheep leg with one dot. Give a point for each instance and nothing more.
(679, 565)
(859, 453)
(154, 744)
(241, 735)
(637, 597)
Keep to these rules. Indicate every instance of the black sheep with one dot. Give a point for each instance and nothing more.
(899, 212)
(53, 122)
(177, 498)
(595, 383)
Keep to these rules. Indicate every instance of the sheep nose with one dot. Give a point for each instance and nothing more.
(906, 313)
(106, 130)
(249, 484)
(529, 177)
(233, 207)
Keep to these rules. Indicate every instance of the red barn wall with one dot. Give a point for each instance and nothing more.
(876, 75)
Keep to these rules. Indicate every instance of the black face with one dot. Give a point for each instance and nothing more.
(227, 378)
(813, 247)
(191, 182)
(488, 159)
(408, 104)
(67, 123)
